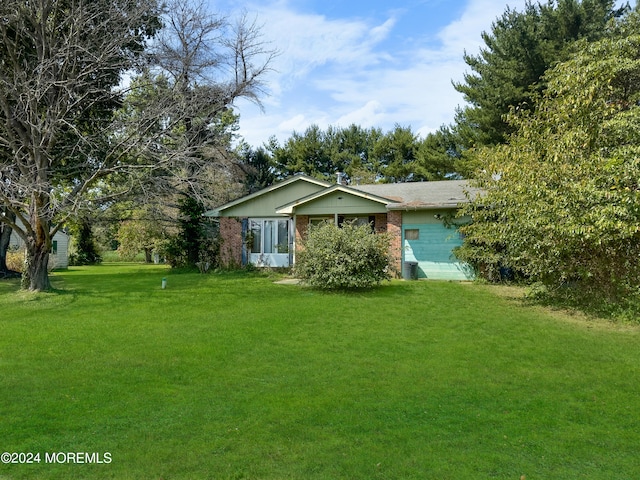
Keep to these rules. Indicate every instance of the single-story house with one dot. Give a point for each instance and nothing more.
(265, 227)
(59, 255)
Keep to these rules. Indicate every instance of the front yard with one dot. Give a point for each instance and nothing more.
(232, 376)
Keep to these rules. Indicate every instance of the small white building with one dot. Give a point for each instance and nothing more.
(59, 255)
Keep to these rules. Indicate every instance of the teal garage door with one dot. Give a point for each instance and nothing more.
(431, 245)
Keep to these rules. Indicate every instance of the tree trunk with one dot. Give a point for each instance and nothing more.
(36, 275)
(5, 238)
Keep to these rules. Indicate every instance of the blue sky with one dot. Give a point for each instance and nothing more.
(372, 63)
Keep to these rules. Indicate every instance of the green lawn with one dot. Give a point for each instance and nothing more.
(232, 376)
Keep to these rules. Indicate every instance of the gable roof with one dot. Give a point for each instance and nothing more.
(393, 196)
(289, 207)
(288, 181)
(422, 195)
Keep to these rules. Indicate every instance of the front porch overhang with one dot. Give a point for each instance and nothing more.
(338, 199)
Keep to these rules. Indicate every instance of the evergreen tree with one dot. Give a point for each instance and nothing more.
(86, 251)
(258, 168)
(521, 47)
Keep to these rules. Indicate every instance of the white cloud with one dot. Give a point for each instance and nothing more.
(464, 33)
(336, 72)
(296, 123)
(381, 32)
(369, 115)
(307, 42)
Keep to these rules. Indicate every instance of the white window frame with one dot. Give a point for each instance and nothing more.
(279, 254)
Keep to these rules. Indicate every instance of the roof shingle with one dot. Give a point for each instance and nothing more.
(446, 193)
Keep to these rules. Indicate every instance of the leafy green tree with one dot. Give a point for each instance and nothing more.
(192, 231)
(141, 234)
(307, 153)
(367, 155)
(196, 241)
(520, 48)
(258, 168)
(345, 257)
(563, 198)
(85, 248)
(352, 150)
(437, 156)
(322, 154)
(396, 153)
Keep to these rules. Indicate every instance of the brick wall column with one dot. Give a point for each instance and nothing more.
(380, 224)
(231, 242)
(302, 227)
(394, 227)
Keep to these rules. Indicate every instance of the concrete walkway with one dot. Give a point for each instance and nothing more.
(288, 281)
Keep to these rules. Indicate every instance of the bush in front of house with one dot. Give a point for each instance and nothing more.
(345, 257)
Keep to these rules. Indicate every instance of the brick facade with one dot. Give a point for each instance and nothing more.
(231, 237)
(231, 242)
(384, 222)
(380, 224)
(302, 227)
(394, 227)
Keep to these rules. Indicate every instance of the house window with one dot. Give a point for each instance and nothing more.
(412, 234)
(341, 219)
(320, 220)
(269, 236)
(357, 221)
(54, 247)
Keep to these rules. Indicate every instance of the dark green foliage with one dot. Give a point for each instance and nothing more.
(367, 155)
(258, 168)
(437, 156)
(396, 153)
(86, 251)
(352, 150)
(562, 201)
(344, 257)
(183, 249)
(520, 48)
(307, 153)
(196, 242)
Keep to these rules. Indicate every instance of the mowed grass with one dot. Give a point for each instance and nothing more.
(232, 376)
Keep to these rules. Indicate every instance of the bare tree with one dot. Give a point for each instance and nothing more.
(202, 63)
(61, 62)
(206, 62)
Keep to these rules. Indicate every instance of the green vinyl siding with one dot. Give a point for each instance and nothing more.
(433, 251)
(341, 203)
(265, 205)
(433, 216)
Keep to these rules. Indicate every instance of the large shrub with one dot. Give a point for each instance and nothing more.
(349, 256)
(562, 203)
